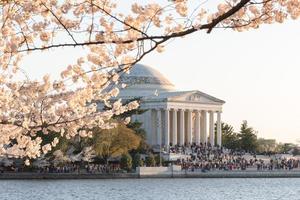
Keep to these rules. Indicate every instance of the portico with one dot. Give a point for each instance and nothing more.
(183, 123)
(173, 117)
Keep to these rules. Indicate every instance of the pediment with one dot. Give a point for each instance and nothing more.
(196, 97)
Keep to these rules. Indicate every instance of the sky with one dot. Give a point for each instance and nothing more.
(256, 72)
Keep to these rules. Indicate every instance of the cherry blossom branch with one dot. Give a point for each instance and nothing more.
(208, 27)
(121, 21)
(60, 22)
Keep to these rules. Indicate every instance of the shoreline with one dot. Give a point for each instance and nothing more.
(215, 174)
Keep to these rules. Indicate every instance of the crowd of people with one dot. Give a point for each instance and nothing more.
(193, 158)
(206, 158)
(279, 164)
(77, 168)
(66, 168)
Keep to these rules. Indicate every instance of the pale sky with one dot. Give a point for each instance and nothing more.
(257, 73)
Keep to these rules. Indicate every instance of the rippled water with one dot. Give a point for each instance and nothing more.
(142, 189)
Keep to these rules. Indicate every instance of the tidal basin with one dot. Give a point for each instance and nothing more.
(142, 189)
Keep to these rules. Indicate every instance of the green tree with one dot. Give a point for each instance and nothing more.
(159, 160)
(248, 138)
(136, 126)
(126, 162)
(137, 161)
(150, 160)
(114, 142)
(143, 147)
(230, 139)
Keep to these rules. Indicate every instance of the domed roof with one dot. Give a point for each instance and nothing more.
(146, 80)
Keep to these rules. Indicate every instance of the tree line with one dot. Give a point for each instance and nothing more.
(247, 140)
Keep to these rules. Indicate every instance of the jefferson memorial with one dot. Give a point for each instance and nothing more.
(172, 116)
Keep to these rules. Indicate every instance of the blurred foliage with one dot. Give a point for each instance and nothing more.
(230, 139)
(248, 138)
(137, 161)
(266, 146)
(114, 142)
(126, 162)
(150, 160)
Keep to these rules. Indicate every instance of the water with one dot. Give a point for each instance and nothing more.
(144, 189)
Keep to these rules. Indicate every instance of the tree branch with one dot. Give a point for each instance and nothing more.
(60, 22)
(209, 27)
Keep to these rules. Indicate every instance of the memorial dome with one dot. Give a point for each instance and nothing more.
(144, 80)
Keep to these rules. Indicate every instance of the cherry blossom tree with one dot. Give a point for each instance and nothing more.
(114, 38)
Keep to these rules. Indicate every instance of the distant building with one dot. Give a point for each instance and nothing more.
(172, 117)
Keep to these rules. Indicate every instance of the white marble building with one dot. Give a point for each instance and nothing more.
(172, 117)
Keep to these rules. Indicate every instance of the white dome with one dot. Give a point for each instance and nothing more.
(143, 81)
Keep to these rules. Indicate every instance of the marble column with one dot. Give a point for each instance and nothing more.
(167, 128)
(197, 127)
(174, 128)
(181, 139)
(203, 127)
(158, 127)
(189, 128)
(153, 126)
(211, 128)
(148, 126)
(219, 129)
